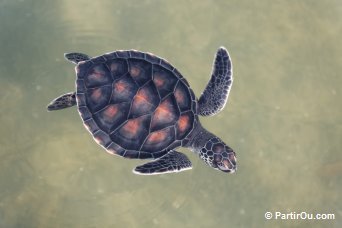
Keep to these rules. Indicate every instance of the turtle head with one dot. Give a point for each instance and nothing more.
(218, 155)
(213, 151)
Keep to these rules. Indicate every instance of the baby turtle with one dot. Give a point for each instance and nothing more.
(137, 105)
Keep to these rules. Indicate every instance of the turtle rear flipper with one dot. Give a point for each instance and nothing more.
(171, 162)
(215, 95)
(76, 57)
(65, 101)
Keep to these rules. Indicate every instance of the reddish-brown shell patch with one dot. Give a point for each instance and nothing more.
(110, 112)
(183, 97)
(184, 124)
(165, 115)
(164, 80)
(118, 67)
(97, 76)
(134, 71)
(124, 90)
(158, 81)
(131, 128)
(159, 139)
(120, 86)
(140, 70)
(132, 133)
(95, 94)
(156, 137)
(112, 116)
(98, 98)
(145, 101)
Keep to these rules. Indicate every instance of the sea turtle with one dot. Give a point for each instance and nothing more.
(137, 105)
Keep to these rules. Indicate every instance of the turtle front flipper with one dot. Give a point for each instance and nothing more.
(76, 57)
(171, 162)
(65, 101)
(215, 95)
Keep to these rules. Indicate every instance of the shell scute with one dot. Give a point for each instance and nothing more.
(152, 58)
(136, 54)
(124, 90)
(102, 138)
(98, 59)
(166, 64)
(182, 96)
(81, 100)
(111, 117)
(117, 67)
(145, 101)
(80, 85)
(166, 114)
(91, 126)
(132, 154)
(164, 80)
(82, 68)
(98, 75)
(98, 98)
(159, 139)
(140, 70)
(184, 124)
(115, 149)
(132, 134)
(177, 73)
(122, 54)
(84, 112)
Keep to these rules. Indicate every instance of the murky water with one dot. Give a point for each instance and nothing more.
(283, 117)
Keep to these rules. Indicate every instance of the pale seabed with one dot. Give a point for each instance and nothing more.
(283, 118)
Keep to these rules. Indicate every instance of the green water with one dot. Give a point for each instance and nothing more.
(283, 117)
